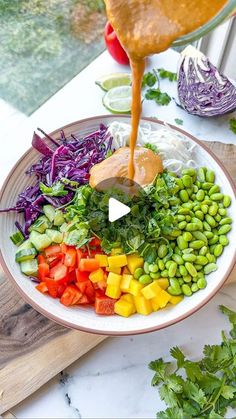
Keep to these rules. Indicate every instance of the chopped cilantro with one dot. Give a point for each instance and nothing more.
(232, 125)
(164, 74)
(179, 121)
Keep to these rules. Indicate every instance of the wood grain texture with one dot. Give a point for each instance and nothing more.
(33, 349)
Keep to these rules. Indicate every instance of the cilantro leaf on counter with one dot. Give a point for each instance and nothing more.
(159, 97)
(165, 74)
(149, 79)
(232, 125)
(207, 387)
(179, 121)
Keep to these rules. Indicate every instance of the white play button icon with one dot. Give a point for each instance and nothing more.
(117, 210)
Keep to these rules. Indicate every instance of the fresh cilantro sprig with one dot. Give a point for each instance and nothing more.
(57, 189)
(232, 125)
(179, 121)
(151, 80)
(165, 74)
(161, 98)
(203, 389)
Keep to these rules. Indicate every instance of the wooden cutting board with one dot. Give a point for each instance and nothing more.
(33, 349)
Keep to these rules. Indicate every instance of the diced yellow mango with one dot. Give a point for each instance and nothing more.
(113, 291)
(151, 290)
(116, 251)
(163, 283)
(163, 298)
(97, 275)
(134, 262)
(142, 305)
(114, 279)
(115, 270)
(117, 261)
(155, 304)
(135, 287)
(176, 299)
(123, 308)
(125, 282)
(126, 270)
(102, 259)
(130, 299)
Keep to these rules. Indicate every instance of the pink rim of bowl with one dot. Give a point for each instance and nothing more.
(70, 325)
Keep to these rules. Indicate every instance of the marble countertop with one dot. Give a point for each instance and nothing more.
(113, 380)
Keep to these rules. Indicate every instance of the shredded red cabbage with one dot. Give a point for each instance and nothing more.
(66, 158)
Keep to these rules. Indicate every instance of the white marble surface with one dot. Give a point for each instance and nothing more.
(113, 380)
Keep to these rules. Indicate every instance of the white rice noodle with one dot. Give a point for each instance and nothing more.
(175, 149)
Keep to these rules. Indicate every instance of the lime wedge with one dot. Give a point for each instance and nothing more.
(118, 99)
(113, 80)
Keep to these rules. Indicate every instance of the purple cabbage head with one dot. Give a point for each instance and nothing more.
(202, 89)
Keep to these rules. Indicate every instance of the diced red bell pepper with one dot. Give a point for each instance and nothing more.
(64, 247)
(95, 242)
(88, 265)
(43, 271)
(71, 276)
(104, 305)
(60, 290)
(42, 287)
(58, 272)
(70, 257)
(84, 300)
(81, 276)
(71, 296)
(52, 251)
(79, 255)
(52, 286)
(53, 260)
(100, 285)
(41, 259)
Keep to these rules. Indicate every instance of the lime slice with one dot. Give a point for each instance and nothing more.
(118, 99)
(114, 80)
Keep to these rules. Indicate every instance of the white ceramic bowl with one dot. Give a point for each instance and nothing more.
(83, 318)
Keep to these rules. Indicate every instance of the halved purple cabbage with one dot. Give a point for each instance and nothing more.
(202, 89)
(67, 158)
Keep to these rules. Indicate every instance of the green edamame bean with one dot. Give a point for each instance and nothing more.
(214, 240)
(180, 217)
(213, 209)
(164, 274)
(182, 243)
(226, 201)
(218, 250)
(200, 236)
(207, 201)
(210, 267)
(138, 272)
(196, 220)
(196, 207)
(161, 265)
(212, 248)
(201, 260)
(195, 188)
(187, 205)
(201, 174)
(224, 229)
(174, 283)
(191, 269)
(192, 227)
(172, 269)
(218, 218)
(178, 259)
(187, 181)
(187, 218)
(227, 220)
(210, 176)
(146, 267)
(203, 251)
(210, 220)
(190, 171)
(194, 287)
(200, 195)
(214, 189)
(211, 258)
(190, 191)
(184, 196)
(177, 273)
(182, 225)
(187, 236)
(155, 275)
(184, 211)
(175, 233)
(186, 290)
(208, 234)
(162, 251)
(183, 271)
(177, 251)
(199, 214)
(200, 275)
(187, 278)
(173, 291)
(179, 183)
(145, 279)
(189, 257)
(187, 251)
(222, 212)
(168, 263)
(201, 283)
(198, 267)
(196, 244)
(204, 208)
(223, 240)
(207, 186)
(181, 281)
(217, 196)
(153, 267)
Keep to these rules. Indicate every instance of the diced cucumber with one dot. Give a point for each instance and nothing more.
(49, 211)
(25, 254)
(55, 235)
(17, 238)
(40, 241)
(29, 267)
(26, 245)
(41, 224)
(58, 218)
(63, 228)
